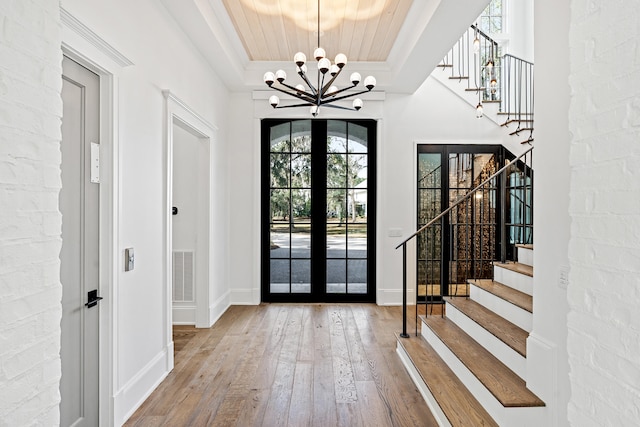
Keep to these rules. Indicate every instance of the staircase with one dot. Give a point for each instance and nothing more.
(470, 365)
(500, 87)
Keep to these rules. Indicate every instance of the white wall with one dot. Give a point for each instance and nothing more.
(30, 223)
(546, 347)
(163, 58)
(604, 250)
(432, 115)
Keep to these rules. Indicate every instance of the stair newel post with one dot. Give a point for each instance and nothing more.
(404, 291)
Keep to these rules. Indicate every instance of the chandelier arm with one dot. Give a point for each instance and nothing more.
(349, 95)
(306, 80)
(300, 94)
(295, 95)
(328, 85)
(342, 90)
(293, 105)
(339, 107)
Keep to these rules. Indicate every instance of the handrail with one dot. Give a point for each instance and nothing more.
(466, 196)
(404, 334)
(515, 57)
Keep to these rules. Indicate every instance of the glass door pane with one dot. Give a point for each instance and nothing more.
(290, 208)
(346, 222)
(429, 206)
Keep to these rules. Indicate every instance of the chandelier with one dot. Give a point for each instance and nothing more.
(324, 93)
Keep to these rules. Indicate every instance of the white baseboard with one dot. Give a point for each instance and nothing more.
(133, 394)
(216, 310)
(184, 315)
(245, 296)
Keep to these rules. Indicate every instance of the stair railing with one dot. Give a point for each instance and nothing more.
(517, 90)
(508, 197)
(496, 78)
(476, 58)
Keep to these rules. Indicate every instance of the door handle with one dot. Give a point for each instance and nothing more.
(92, 298)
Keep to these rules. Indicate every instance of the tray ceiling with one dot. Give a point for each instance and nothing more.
(274, 30)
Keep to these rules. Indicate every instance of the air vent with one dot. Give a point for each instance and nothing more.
(183, 276)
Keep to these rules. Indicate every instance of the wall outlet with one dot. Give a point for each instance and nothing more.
(563, 277)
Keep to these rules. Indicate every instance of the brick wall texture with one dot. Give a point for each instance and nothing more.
(30, 223)
(604, 290)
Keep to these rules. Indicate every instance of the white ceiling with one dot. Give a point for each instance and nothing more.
(398, 41)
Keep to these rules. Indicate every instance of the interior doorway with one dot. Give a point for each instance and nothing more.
(318, 210)
(80, 254)
(190, 223)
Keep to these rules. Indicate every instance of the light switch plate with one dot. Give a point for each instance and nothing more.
(128, 259)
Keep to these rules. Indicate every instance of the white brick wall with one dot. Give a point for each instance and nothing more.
(30, 290)
(604, 290)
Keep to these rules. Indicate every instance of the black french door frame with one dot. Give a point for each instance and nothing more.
(446, 247)
(318, 265)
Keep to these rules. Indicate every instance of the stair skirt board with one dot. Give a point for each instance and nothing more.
(525, 256)
(422, 387)
(518, 281)
(520, 416)
(514, 314)
(511, 358)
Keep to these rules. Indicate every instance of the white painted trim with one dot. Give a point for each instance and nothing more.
(177, 110)
(140, 387)
(217, 309)
(244, 296)
(73, 24)
(84, 46)
(422, 387)
(184, 315)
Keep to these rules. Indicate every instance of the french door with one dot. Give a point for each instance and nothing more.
(318, 210)
(465, 243)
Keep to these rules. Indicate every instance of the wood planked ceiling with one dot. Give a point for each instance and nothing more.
(274, 30)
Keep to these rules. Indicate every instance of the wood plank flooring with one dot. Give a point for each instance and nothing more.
(289, 365)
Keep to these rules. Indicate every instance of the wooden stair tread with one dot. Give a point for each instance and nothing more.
(507, 387)
(517, 267)
(455, 400)
(524, 246)
(507, 293)
(510, 334)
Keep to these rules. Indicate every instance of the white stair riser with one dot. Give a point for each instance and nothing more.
(513, 313)
(518, 281)
(438, 414)
(525, 256)
(511, 358)
(522, 417)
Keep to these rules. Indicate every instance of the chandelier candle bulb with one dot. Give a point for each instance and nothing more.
(355, 78)
(341, 60)
(300, 58)
(357, 104)
(300, 88)
(370, 82)
(274, 101)
(319, 53)
(281, 76)
(269, 78)
(334, 70)
(332, 90)
(323, 65)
